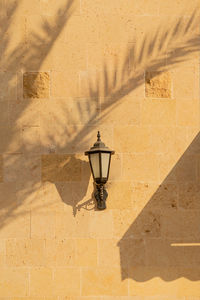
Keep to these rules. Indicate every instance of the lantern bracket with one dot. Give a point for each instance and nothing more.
(101, 195)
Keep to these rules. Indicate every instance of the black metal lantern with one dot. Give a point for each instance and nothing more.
(99, 158)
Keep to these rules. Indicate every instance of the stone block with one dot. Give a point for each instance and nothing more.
(181, 224)
(186, 169)
(158, 112)
(162, 139)
(132, 139)
(140, 167)
(166, 167)
(128, 253)
(14, 282)
(68, 226)
(15, 222)
(23, 113)
(60, 253)
(119, 195)
(183, 138)
(8, 85)
(101, 224)
(127, 111)
(11, 140)
(48, 198)
(66, 282)
(187, 112)
(108, 255)
(148, 224)
(189, 194)
(157, 84)
(83, 248)
(31, 139)
(60, 167)
(39, 227)
(22, 168)
(165, 197)
(160, 253)
(36, 85)
(25, 252)
(132, 254)
(122, 219)
(184, 83)
(41, 282)
(116, 167)
(73, 52)
(64, 84)
(142, 192)
(103, 281)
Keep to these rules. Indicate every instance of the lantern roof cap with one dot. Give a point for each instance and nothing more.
(99, 146)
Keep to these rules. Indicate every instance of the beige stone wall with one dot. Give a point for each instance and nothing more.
(131, 70)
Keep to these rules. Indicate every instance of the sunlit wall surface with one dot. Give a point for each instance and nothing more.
(129, 68)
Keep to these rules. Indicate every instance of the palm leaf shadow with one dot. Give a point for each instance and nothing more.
(110, 86)
(164, 50)
(160, 52)
(24, 56)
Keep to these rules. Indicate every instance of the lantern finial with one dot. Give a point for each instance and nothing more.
(98, 136)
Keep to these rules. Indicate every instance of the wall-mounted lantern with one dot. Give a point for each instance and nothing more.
(99, 158)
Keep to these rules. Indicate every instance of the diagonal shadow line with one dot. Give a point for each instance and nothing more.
(163, 239)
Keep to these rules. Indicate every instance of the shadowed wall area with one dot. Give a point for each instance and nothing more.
(164, 239)
(131, 70)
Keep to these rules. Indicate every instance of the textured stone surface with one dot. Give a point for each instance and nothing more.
(157, 85)
(25, 252)
(104, 281)
(14, 282)
(36, 85)
(131, 70)
(61, 168)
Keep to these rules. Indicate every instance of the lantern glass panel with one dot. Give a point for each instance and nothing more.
(105, 157)
(94, 159)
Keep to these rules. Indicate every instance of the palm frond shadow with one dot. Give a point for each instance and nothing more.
(25, 56)
(164, 49)
(160, 51)
(164, 238)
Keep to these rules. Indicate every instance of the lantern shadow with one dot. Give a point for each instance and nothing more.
(164, 239)
(71, 176)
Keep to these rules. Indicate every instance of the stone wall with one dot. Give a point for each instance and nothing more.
(131, 70)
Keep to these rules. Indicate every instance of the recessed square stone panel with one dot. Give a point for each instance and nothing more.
(157, 84)
(36, 85)
(61, 167)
